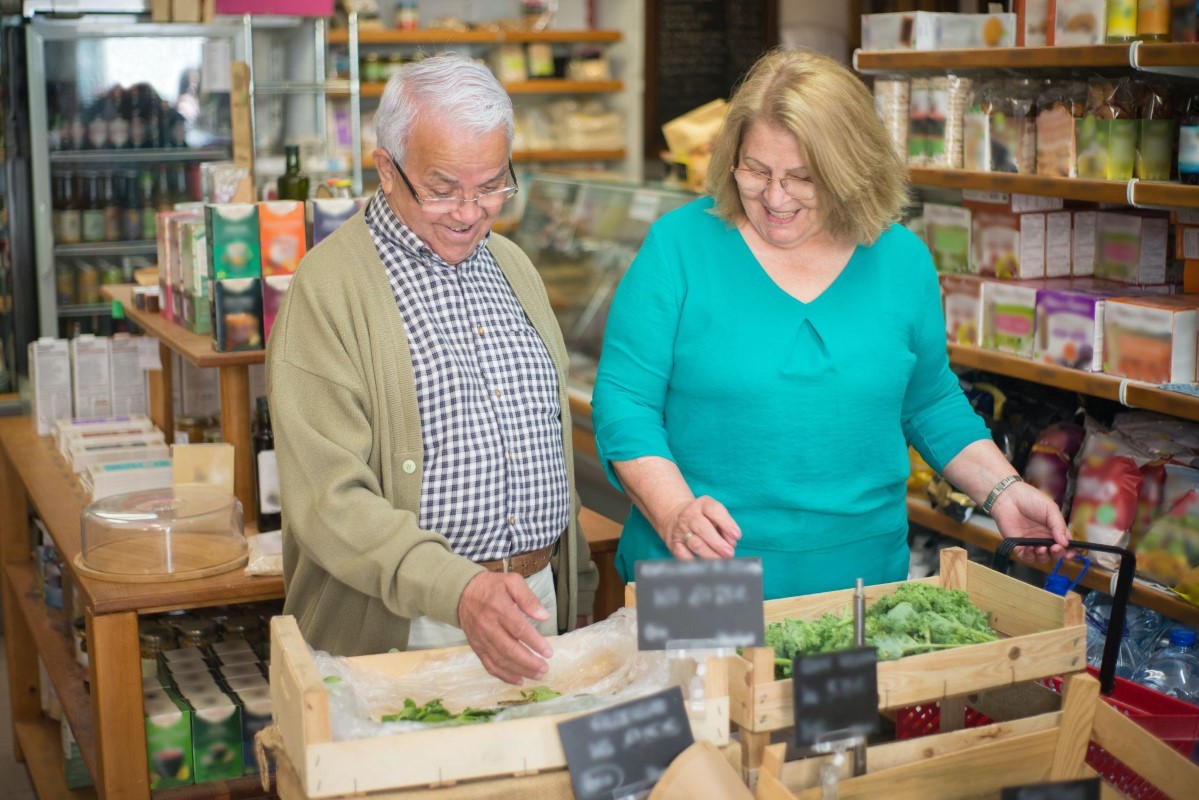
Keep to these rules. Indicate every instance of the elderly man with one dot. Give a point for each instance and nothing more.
(418, 393)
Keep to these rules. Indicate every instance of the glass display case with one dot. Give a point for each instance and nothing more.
(121, 116)
(582, 235)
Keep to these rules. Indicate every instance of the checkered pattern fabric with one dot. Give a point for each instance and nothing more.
(494, 479)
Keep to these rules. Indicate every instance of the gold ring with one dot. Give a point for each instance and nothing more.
(687, 537)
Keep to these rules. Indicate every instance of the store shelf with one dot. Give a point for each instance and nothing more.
(193, 347)
(41, 743)
(531, 156)
(546, 86)
(156, 155)
(1137, 395)
(1159, 193)
(232, 789)
(59, 499)
(921, 513)
(139, 247)
(1068, 188)
(433, 37)
(50, 628)
(84, 310)
(992, 58)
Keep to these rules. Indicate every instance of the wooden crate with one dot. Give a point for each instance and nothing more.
(1042, 635)
(980, 761)
(435, 757)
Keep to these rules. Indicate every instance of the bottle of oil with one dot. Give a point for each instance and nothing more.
(293, 184)
(266, 471)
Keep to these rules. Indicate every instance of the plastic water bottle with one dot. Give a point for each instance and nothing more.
(1096, 637)
(1130, 657)
(1144, 627)
(1175, 670)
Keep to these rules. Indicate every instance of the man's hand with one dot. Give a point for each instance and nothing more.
(494, 613)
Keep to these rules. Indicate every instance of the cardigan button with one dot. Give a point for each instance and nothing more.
(410, 466)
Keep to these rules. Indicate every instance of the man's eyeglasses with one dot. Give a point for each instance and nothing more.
(487, 201)
(754, 182)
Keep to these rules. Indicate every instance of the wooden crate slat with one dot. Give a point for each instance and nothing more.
(1149, 757)
(1014, 607)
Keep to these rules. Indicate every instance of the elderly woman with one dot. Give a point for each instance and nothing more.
(775, 347)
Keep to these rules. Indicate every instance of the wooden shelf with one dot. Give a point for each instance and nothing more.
(57, 650)
(921, 513)
(59, 499)
(196, 349)
(42, 744)
(992, 58)
(1095, 384)
(546, 86)
(1069, 188)
(1160, 193)
(1168, 55)
(387, 36)
(232, 789)
(527, 156)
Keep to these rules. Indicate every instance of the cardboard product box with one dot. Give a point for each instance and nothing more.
(231, 647)
(74, 769)
(947, 233)
(50, 379)
(1070, 328)
(1059, 244)
(104, 427)
(273, 290)
(1031, 204)
(193, 683)
(129, 394)
(1077, 22)
(995, 242)
(169, 742)
(193, 243)
(1032, 23)
(234, 245)
(179, 248)
(255, 706)
(242, 683)
(1106, 147)
(1083, 244)
(199, 391)
(1151, 339)
(146, 448)
(1155, 149)
(196, 314)
(283, 236)
(1186, 241)
(174, 660)
(961, 300)
(168, 256)
(91, 376)
(329, 214)
(105, 480)
(1131, 248)
(1032, 245)
(1190, 277)
(1009, 316)
(237, 315)
(216, 736)
(926, 30)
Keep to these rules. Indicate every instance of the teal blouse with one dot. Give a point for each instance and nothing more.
(794, 415)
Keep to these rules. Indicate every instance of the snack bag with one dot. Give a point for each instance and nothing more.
(1050, 466)
(1105, 499)
(1171, 546)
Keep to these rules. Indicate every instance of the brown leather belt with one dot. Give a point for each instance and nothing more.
(524, 564)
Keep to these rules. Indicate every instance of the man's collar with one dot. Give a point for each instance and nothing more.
(385, 223)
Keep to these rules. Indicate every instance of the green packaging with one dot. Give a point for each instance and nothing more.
(1155, 149)
(1091, 139)
(1121, 148)
(234, 250)
(216, 736)
(168, 741)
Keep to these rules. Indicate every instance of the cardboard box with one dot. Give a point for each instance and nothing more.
(234, 247)
(216, 736)
(283, 236)
(193, 241)
(1131, 248)
(1077, 22)
(1032, 23)
(926, 30)
(1083, 246)
(169, 742)
(961, 300)
(329, 214)
(1070, 328)
(237, 314)
(255, 715)
(76, 427)
(947, 233)
(1106, 147)
(274, 288)
(1151, 339)
(994, 241)
(50, 377)
(1032, 245)
(129, 394)
(105, 480)
(1059, 244)
(1009, 316)
(91, 376)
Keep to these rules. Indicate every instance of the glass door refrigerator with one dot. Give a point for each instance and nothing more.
(121, 114)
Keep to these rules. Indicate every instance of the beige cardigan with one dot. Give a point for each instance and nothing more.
(356, 564)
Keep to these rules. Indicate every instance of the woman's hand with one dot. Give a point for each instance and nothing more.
(1023, 511)
(700, 528)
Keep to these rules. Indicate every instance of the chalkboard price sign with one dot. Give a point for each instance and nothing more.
(836, 695)
(626, 748)
(714, 601)
(1084, 789)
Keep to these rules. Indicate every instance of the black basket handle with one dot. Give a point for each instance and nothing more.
(1128, 566)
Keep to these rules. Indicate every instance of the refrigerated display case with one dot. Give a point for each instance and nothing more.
(121, 115)
(8, 382)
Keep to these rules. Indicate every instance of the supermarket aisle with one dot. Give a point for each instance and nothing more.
(12, 775)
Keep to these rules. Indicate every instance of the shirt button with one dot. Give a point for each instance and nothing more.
(508, 456)
(481, 331)
(410, 466)
(497, 392)
(511, 519)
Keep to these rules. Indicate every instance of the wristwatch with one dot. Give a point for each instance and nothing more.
(998, 490)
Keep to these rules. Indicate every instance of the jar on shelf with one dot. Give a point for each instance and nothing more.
(154, 640)
(196, 632)
(242, 626)
(407, 15)
(190, 430)
(372, 68)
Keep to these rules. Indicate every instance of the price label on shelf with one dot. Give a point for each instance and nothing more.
(716, 602)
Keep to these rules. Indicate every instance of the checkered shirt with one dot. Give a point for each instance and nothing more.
(494, 480)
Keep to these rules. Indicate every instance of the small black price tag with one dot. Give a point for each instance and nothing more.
(836, 695)
(1083, 789)
(625, 748)
(716, 601)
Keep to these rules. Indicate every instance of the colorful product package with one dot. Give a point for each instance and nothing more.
(1106, 135)
(237, 314)
(329, 214)
(1032, 23)
(274, 287)
(169, 741)
(1131, 248)
(1050, 466)
(1106, 496)
(1070, 328)
(1076, 23)
(1170, 548)
(1059, 244)
(283, 236)
(1082, 245)
(216, 736)
(995, 242)
(961, 298)
(1009, 316)
(1151, 338)
(234, 247)
(1155, 135)
(947, 232)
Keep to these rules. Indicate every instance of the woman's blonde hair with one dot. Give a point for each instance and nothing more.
(861, 182)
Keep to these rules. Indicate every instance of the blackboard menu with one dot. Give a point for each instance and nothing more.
(836, 695)
(625, 749)
(699, 603)
(1084, 789)
(697, 51)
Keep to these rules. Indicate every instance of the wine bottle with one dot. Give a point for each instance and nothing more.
(266, 471)
(293, 184)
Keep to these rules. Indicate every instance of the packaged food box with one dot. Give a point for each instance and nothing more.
(274, 287)
(1151, 339)
(216, 736)
(169, 741)
(961, 299)
(1077, 23)
(129, 394)
(76, 427)
(1131, 248)
(947, 232)
(283, 236)
(234, 247)
(1009, 316)
(255, 715)
(1059, 243)
(193, 258)
(1070, 328)
(1032, 23)
(91, 376)
(1083, 243)
(329, 214)
(927, 30)
(237, 314)
(50, 377)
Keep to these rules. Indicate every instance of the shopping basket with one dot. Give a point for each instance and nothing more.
(1173, 721)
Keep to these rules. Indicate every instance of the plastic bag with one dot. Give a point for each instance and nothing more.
(1106, 497)
(1171, 546)
(593, 666)
(1050, 466)
(266, 554)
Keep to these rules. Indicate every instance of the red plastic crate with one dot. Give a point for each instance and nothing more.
(1169, 719)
